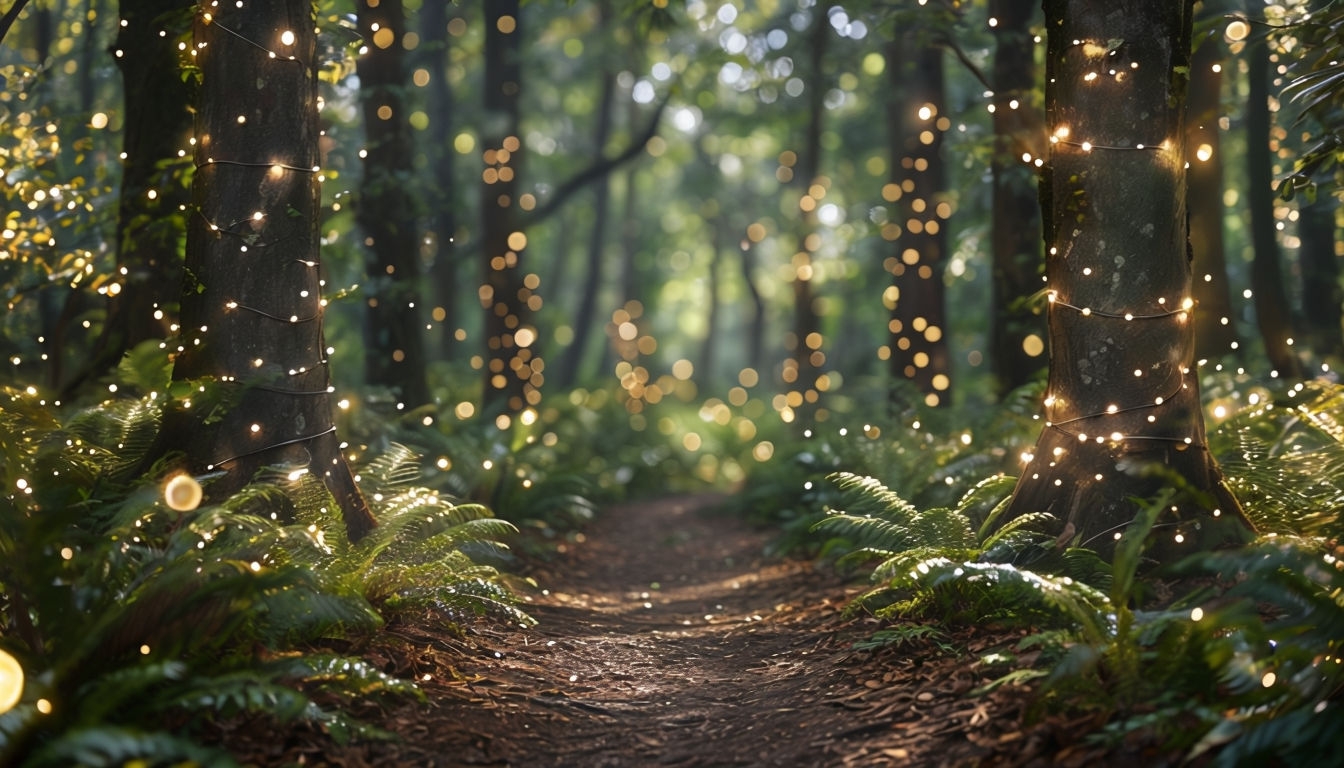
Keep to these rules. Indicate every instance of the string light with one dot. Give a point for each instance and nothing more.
(286, 37)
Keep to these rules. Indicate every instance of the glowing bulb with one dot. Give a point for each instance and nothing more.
(287, 37)
(182, 493)
(11, 682)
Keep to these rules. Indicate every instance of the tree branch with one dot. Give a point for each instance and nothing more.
(10, 17)
(965, 60)
(597, 170)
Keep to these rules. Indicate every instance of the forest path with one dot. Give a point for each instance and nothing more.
(666, 638)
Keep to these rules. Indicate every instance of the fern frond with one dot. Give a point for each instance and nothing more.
(112, 746)
(394, 469)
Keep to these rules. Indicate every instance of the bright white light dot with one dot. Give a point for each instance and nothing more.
(287, 37)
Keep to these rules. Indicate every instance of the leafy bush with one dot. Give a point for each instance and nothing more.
(133, 621)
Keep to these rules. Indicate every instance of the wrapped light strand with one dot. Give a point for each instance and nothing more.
(286, 38)
(278, 318)
(293, 441)
(1181, 313)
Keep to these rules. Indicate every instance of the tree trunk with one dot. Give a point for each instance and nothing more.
(918, 326)
(443, 196)
(253, 362)
(1214, 330)
(513, 374)
(394, 348)
(755, 351)
(1321, 294)
(1017, 331)
(805, 342)
(1272, 315)
(154, 181)
(1123, 411)
(571, 360)
(709, 350)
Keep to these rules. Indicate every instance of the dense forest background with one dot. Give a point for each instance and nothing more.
(571, 253)
(709, 200)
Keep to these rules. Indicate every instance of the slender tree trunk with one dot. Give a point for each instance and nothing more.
(1272, 314)
(709, 350)
(916, 121)
(88, 50)
(805, 343)
(1017, 330)
(631, 279)
(513, 373)
(1321, 293)
(1214, 329)
(394, 348)
(252, 365)
(1123, 413)
(755, 341)
(571, 360)
(154, 181)
(440, 107)
(11, 15)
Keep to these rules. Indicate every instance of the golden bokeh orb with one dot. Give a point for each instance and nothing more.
(182, 493)
(11, 682)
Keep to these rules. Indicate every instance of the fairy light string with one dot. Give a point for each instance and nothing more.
(1101, 425)
(255, 232)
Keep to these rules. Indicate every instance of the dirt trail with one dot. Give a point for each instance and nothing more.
(666, 639)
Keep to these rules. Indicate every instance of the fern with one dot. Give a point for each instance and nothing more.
(110, 746)
(130, 615)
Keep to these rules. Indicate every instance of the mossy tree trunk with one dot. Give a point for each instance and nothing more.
(252, 371)
(1123, 414)
(394, 349)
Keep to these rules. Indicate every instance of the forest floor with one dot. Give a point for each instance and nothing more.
(667, 638)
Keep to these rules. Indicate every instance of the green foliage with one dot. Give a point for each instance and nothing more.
(903, 635)
(134, 620)
(1279, 631)
(1243, 666)
(1284, 459)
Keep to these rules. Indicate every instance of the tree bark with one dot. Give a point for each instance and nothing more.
(154, 182)
(709, 350)
(513, 373)
(918, 326)
(1123, 414)
(251, 374)
(440, 107)
(571, 360)
(1214, 330)
(1272, 315)
(1017, 330)
(805, 343)
(394, 348)
(1321, 294)
(755, 341)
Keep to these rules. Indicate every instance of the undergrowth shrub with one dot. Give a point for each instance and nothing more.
(134, 621)
(1241, 659)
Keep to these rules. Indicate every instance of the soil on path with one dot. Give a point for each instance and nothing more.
(666, 638)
